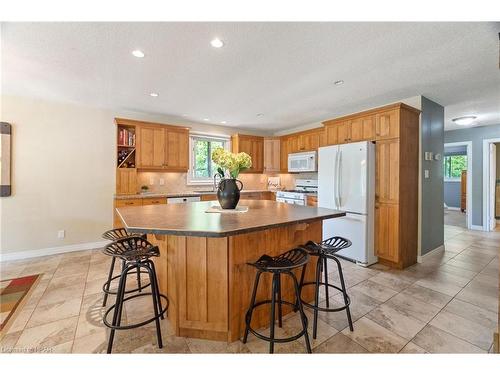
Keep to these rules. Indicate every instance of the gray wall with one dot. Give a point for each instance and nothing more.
(432, 130)
(452, 191)
(476, 135)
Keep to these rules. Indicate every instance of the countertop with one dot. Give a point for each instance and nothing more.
(190, 219)
(192, 193)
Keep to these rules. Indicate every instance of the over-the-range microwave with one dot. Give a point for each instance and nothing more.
(303, 162)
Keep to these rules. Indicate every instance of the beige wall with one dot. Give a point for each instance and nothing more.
(63, 172)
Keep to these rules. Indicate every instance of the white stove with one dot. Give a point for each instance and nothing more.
(299, 194)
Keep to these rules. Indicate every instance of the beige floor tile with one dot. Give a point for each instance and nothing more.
(340, 343)
(21, 320)
(71, 269)
(434, 340)
(413, 307)
(479, 296)
(465, 265)
(55, 311)
(48, 335)
(439, 285)
(210, 346)
(293, 325)
(374, 337)
(8, 342)
(172, 344)
(94, 286)
(427, 295)
(61, 294)
(457, 271)
(473, 313)
(465, 329)
(375, 290)
(256, 345)
(412, 348)
(66, 281)
(391, 281)
(94, 343)
(396, 321)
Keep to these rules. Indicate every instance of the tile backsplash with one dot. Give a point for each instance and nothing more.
(177, 182)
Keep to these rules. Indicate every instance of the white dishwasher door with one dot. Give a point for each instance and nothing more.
(182, 200)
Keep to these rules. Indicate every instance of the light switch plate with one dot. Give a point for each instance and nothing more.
(428, 156)
(162, 181)
(151, 181)
(426, 173)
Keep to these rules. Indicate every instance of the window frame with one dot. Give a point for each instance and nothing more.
(452, 179)
(194, 136)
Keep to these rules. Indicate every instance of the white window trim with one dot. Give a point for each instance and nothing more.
(190, 180)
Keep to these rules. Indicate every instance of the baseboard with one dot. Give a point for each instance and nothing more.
(453, 208)
(420, 258)
(17, 255)
(477, 227)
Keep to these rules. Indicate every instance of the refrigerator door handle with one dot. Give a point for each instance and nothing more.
(336, 176)
(339, 180)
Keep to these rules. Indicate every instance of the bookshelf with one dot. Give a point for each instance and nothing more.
(126, 154)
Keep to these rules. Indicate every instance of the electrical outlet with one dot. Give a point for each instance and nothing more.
(426, 173)
(61, 234)
(151, 181)
(162, 181)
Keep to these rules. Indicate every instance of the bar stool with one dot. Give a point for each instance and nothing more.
(282, 264)
(113, 235)
(136, 252)
(325, 250)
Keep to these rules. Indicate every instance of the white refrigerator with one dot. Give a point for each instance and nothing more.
(346, 182)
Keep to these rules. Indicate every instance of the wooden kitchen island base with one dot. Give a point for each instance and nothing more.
(209, 283)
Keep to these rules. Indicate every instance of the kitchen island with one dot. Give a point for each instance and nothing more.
(203, 268)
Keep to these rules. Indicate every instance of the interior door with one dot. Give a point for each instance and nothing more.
(492, 183)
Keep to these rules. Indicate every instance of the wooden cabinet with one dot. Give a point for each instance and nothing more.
(312, 200)
(152, 201)
(117, 223)
(362, 129)
(387, 124)
(463, 191)
(272, 155)
(253, 146)
(309, 140)
(284, 155)
(208, 197)
(387, 231)
(387, 171)
(126, 181)
(337, 132)
(162, 147)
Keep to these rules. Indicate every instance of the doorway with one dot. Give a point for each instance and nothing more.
(491, 183)
(457, 174)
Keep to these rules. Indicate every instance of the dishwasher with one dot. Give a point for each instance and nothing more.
(182, 200)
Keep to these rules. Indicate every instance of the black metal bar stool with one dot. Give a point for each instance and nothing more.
(282, 264)
(325, 250)
(136, 252)
(113, 235)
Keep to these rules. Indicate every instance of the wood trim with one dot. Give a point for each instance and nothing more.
(303, 132)
(129, 122)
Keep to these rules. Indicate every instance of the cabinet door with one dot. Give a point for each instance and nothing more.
(309, 141)
(387, 125)
(362, 129)
(343, 133)
(293, 144)
(126, 181)
(176, 153)
(153, 201)
(284, 155)
(257, 155)
(331, 134)
(271, 155)
(387, 231)
(387, 171)
(151, 147)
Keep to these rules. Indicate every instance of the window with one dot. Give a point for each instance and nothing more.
(202, 169)
(453, 166)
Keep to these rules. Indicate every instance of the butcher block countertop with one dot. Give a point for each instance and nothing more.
(190, 219)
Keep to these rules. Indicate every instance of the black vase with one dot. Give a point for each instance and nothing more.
(228, 193)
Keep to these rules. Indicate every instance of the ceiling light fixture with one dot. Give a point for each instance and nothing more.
(206, 119)
(223, 122)
(464, 120)
(138, 53)
(217, 43)
(154, 94)
(260, 114)
(339, 82)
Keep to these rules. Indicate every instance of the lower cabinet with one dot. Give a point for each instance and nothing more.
(126, 181)
(387, 231)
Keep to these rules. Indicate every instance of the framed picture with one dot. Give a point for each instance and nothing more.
(5, 156)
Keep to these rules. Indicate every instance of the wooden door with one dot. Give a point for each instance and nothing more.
(126, 181)
(362, 129)
(309, 141)
(293, 144)
(463, 191)
(387, 231)
(151, 147)
(387, 124)
(271, 155)
(176, 151)
(387, 171)
(257, 155)
(284, 155)
(331, 134)
(343, 133)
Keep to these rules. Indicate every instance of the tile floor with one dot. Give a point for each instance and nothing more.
(455, 218)
(447, 304)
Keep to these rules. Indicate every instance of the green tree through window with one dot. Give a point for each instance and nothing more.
(203, 167)
(454, 165)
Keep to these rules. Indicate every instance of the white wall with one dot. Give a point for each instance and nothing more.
(63, 167)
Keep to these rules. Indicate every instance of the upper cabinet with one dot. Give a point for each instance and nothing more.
(272, 155)
(387, 124)
(309, 140)
(362, 129)
(253, 146)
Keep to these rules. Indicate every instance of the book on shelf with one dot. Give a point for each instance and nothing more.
(126, 137)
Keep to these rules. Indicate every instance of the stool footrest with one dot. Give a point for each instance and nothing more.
(106, 285)
(326, 309)
(139, 324)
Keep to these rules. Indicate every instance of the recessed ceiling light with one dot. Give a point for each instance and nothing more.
(217, 43)
(223, 122)
(206, 119)
(154, 94)
(138, 53)
(260, 114)
(339, 82)
(184, 115)
(465, 120)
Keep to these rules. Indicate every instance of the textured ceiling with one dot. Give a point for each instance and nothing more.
(284, 71)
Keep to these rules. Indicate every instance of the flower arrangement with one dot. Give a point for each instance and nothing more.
(230, 163)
